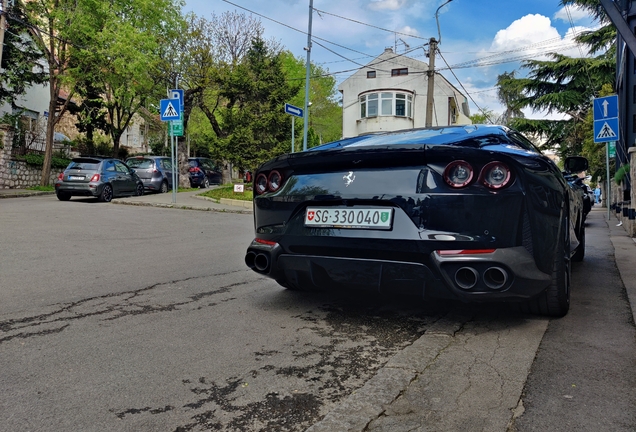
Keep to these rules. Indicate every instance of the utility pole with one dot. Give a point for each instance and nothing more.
(432, 44)
(431, 82)
(3, 25)
(307, 74)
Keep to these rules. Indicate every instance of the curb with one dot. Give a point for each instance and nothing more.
(24, 194)
(179, 207)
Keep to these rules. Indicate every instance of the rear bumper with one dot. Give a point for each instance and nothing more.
(505, 274)
(80, 189)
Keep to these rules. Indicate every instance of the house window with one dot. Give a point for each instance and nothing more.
(370, 74)
(399, 72)
(387, 103)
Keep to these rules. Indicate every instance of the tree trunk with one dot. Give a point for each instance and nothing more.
(51, 121)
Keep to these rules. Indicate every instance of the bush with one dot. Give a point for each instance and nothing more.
(37, 160)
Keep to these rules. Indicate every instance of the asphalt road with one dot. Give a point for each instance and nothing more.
(129, 318)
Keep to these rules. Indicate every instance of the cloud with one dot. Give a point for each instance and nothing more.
(575, 12)
(387, 4)
(528, 30)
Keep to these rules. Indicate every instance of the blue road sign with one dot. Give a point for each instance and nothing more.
(293, 110)
(177, 94)
(169, 109)
(606, 119)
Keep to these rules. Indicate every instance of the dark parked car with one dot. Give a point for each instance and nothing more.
(474, 213)
(204, 172)
(154, 171)
(99, 177)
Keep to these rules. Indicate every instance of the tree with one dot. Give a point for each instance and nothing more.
(122, 58)
(247, 115)
(510, 96)
(566, 85)
(325, 114)
(21, 58)
(51, 25)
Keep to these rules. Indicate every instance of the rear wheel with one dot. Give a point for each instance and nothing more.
(555, 300)
(107, 194)
(63, 196)
(139, 191)
(164, 187)
(205, 183)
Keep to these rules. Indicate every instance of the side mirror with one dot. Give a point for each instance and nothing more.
(576, 164)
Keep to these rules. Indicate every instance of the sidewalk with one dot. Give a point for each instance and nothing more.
(184, 200)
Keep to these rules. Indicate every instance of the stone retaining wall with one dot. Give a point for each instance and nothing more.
(17, 174)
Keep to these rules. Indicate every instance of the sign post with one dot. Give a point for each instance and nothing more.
(606, 131)
(295, 112)
(170, 109)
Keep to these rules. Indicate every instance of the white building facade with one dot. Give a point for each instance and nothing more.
(390, 93)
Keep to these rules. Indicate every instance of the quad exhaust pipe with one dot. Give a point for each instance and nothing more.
(494, 278)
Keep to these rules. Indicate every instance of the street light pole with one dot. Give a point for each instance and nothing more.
(308, 66)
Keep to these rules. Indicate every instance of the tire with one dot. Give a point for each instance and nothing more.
(164, 187)
(205, 183)
(62, 196)
(579, 254)
(107, 194)
(555, 300)
(139, 191)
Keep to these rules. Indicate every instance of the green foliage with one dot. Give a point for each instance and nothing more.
(621, 173)
(566, 85)
(251, 125)
(42, 188)
(325, 113)
(20, 57)
(99, 145)
(37, 160)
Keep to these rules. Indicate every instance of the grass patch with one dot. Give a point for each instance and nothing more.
(42, 188)
(181, 189)
(228, 192)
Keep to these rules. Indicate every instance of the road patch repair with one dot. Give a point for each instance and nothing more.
(468, 378)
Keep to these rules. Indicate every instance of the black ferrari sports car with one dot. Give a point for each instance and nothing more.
(475, 213)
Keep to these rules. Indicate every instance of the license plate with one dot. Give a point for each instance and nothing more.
(360, 218)
(75, 177)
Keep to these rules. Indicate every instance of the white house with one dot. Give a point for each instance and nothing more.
(390, 93)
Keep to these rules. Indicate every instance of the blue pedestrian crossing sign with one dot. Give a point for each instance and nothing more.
(606, 119)
(170, 109)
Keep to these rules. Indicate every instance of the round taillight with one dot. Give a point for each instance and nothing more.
(495, 175)
(275, 181)
(458, 174)
(261, 183)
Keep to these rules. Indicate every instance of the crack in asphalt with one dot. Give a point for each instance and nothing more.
(358, 340)
(124, 305)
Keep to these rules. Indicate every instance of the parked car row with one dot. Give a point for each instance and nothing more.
(106, 178)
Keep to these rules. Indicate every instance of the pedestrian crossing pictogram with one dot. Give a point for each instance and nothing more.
(170, 111)
(606, 132)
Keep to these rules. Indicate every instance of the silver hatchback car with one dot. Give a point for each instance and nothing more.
(99, 177)
(154, 171)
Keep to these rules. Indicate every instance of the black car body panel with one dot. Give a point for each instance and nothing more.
(473, 242)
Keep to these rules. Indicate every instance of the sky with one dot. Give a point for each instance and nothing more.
(480, 39)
